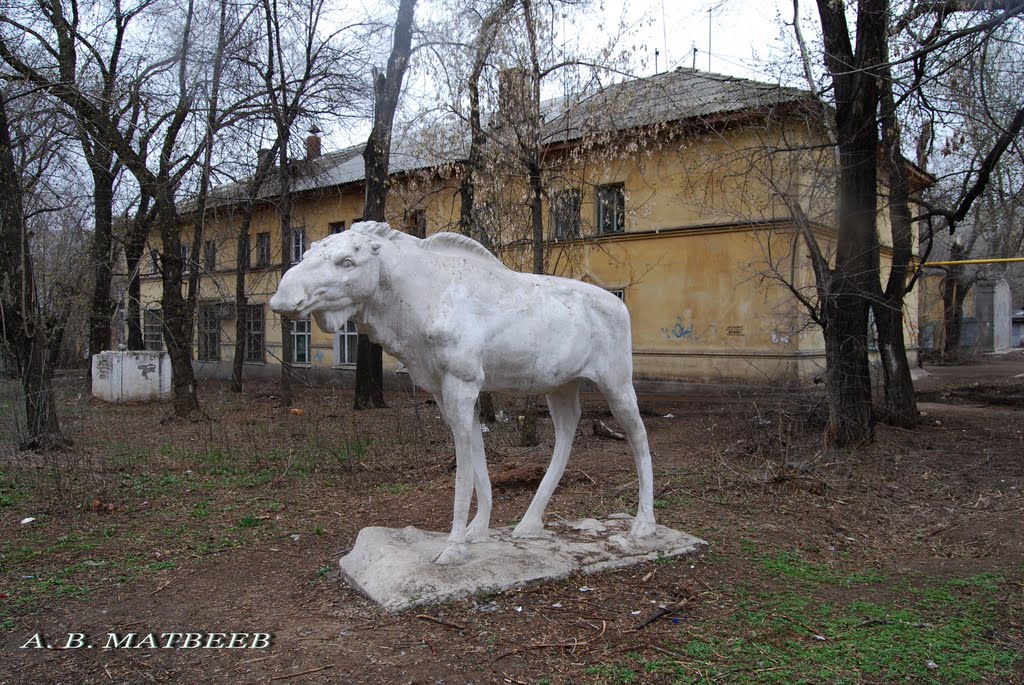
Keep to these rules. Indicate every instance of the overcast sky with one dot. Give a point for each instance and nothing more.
(745, 35)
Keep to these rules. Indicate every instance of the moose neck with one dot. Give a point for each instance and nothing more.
(397, 311)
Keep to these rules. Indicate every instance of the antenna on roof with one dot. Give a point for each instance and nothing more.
(709, 40)
(693, 64)
(656, 53)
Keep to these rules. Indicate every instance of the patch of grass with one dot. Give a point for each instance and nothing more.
(610, 673)
(793, 638)
(201, 509)
(794, 566)
(393, 488)
(9, 493)
(352, 451)
(249, 522)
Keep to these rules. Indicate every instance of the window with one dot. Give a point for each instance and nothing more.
(619, 293)
(298, 244)
(565, 213)
(185, 263)
(154, 262)
(611, 209)
(152, 330)
(209, 333)
(335, 227)
(416, 223)
(346, 344)
(301, 338)
(255, 333)
(210, 255)
(243, 252)
(262, 249)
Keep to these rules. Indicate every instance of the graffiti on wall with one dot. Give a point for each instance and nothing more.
(679, 331)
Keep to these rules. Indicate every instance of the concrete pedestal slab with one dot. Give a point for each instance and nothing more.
(394, 567)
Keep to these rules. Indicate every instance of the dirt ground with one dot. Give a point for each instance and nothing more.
(900, 561)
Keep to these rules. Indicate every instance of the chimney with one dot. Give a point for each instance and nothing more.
(261, 155)
(313, 144)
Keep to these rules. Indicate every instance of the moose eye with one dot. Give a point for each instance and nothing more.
(347, 263)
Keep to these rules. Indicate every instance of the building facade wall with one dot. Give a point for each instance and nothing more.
(700, 262)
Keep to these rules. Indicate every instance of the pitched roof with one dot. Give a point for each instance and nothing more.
(676, 96)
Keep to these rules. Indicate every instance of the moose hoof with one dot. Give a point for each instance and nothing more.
(528, 529)
(455, 553)
(643, 528)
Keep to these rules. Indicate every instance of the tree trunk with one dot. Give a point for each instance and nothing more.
(40, 404)
(528, 436)
(900, 408)
(241, 303)
(847, 378)
(24, 326)
(387, 87)
(133, 255)
(955, 288)
(174, 311)
(242, 247)
(854, 280)
(101, 308)
(285, 213)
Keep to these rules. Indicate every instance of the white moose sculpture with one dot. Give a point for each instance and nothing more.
(462, 322)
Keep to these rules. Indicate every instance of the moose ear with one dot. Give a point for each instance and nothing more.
(375, 247)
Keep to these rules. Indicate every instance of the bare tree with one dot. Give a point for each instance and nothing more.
(31, 334)
(387, 88)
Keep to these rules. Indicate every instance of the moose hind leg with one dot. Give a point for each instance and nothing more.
(622, 402)
(478, 528)
(564, 404)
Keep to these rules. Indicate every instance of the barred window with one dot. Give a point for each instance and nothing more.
(262, 249)
(152, 330)
(565, 211)
(209, 333)
(255, 333)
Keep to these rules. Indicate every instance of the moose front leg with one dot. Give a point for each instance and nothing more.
(458, 401)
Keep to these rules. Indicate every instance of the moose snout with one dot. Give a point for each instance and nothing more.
(287, 304)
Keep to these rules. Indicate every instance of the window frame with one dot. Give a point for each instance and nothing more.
(152, 330)
(570, 199)
(416, 222)
(208, 333)
(335, 227)
(610, 203)
(297, 244)
(254, 352)
(307, 335)
(263, 248)
(347, 335)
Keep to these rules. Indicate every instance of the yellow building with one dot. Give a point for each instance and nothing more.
(675, 192)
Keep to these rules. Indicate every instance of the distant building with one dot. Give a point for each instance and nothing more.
(674, 192)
